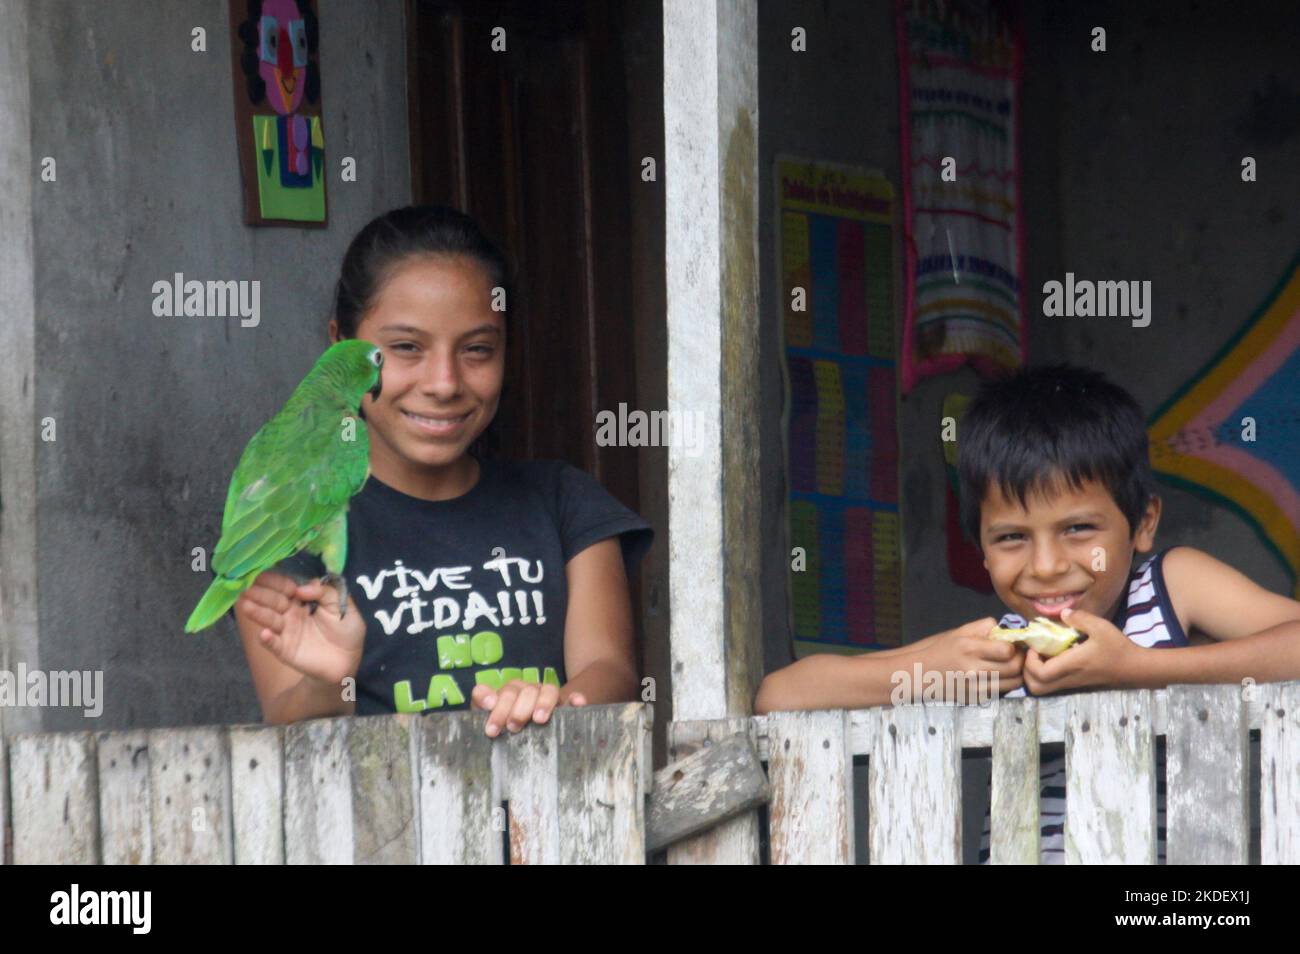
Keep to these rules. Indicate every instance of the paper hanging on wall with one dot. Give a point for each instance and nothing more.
(963, 231)
(274, 50)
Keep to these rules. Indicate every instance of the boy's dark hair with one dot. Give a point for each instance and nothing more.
(414, 231)
(1035, 427)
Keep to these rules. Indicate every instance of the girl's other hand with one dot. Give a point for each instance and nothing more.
(517, 703)
(317, 644)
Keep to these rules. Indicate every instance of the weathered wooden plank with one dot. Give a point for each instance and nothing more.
(810, 818)
(189, 796)
(460, 823)
(1207, 816)
(318, 793)
(977, 723)
(532, 793)
(5, 826)
(257, 793)
(648, 744)
(735, 841)
(53, 792)
(1279, 746)
(379, 764)
(716, 783)
(1110, 805)
(601, 803)
(125, 830)
(914, 779)
(1014, 810)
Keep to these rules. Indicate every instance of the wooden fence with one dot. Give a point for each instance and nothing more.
(414, 789)
(914, 755)
(374, 789)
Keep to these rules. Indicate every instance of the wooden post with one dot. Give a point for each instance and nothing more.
(125, 828)
(53, 788)
(914, 774)
(459, 822)
(811, 771)
(189, 795)
(710, 172)
(1110, 779)
(1279, 749)
(735, 841)
(1015, 812)
(1208, 748)
(257, 793)
(19, 423)
(711, 198)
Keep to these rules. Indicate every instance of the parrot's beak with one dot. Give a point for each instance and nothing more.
(379, 383)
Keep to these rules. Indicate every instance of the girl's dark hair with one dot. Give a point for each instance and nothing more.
(1034, 427)
(414, 231)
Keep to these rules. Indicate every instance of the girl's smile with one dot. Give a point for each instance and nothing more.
(437, 425)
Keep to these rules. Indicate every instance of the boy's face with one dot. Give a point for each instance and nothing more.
(1070, 548)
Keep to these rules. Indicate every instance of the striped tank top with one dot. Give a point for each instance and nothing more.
(1148, 619)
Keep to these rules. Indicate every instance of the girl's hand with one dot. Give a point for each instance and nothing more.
(517, 703)
(1106, 658)
(319, 644)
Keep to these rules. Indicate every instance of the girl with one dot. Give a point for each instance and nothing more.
(472, 582)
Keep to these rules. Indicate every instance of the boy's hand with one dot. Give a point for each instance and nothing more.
(517, 703)
(1106, 658)
(968, 649)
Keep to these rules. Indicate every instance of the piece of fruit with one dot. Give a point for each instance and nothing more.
(1047, 637)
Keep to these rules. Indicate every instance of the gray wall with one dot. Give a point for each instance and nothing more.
(152, 413)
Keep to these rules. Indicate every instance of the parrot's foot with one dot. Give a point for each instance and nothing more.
(340, 585)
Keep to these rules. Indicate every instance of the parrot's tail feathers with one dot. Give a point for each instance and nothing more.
(221, 595)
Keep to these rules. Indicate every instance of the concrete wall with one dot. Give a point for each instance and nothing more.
(152, 413)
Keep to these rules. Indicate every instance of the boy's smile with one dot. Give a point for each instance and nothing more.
(1069, 548)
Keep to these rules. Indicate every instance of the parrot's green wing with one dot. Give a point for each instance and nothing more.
(296, 474)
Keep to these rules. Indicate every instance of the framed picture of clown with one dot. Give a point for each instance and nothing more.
(274, 49)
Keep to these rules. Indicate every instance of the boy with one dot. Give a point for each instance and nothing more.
(1057, 490)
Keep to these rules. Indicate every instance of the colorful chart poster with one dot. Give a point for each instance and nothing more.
(835, 259)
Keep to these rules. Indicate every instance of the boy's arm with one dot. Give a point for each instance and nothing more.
(1256, 632)
(829, 681)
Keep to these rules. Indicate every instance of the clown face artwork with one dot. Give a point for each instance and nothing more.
(281, 144)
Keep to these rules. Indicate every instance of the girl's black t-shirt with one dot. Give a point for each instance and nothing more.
(470, 590)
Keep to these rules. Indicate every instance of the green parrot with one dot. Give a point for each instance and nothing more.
(291, 488)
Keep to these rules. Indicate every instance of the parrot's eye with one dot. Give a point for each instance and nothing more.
(376, 358)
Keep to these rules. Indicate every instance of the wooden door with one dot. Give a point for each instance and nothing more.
(532, 142)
